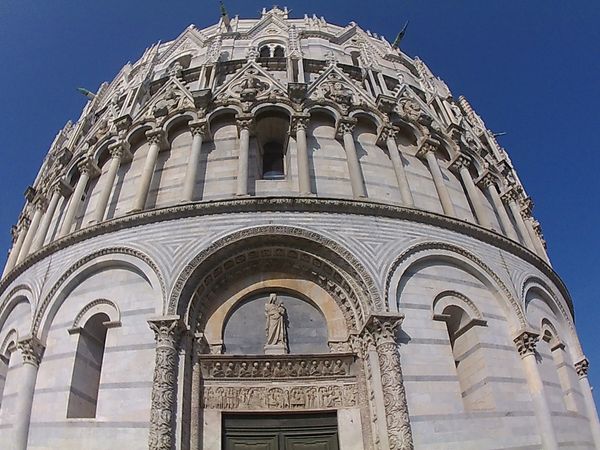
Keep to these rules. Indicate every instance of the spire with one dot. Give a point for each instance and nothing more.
(224, 15)
(400, 36)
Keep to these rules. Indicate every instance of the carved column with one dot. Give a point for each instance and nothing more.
(488, 182)
(510, 198)
(582, 368)
(198, 129)
(345, 128)
(383, 329)
(461, 165)
(119, 152)
(20, 230)
(156, 138)
(389, 134)
(39, 204)
(244, 123)
(427, 152)
(58, 189)
(526, 342)
(299, 124)
(168, 331)
(31, 351)
(87, 169)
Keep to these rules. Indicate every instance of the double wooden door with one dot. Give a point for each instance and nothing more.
(280, 432)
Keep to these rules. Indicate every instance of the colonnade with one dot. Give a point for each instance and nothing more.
(30, 235)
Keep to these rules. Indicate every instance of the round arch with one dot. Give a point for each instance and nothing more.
(114, 257)
(21, 293)
(461, 258)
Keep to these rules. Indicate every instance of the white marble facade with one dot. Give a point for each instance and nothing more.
(289, 156)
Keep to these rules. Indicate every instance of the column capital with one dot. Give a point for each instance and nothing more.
(244, 122)
(198, 127)
(88, 166)
(120, 150)
(31, 349)
(40, 202)
(459, 162)
(582, 367)
(427, 145)
(167, 330)
(383, 327)
(344, 126)
(62, 187)
(157, 136)
(526, 204)
(387, 132)
(299, 122)
(487, 179)
(526, 341)
(22, 224)
(509, 195)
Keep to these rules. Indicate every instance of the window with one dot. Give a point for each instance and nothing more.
(272, 161)
(85, 383)
(265, 52)
(272, 51)
(278, 52)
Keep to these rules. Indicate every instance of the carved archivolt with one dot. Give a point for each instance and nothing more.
(45, 303)
(368, 297)
(427, 249)
(446, 298)
(97, 306)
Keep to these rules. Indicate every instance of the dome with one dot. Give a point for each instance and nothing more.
(284, 233)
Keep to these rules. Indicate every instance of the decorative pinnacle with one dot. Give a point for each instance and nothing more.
(400, 36)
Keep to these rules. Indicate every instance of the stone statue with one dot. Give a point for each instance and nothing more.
(276, 342)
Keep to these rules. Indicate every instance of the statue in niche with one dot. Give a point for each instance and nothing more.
(276, 329)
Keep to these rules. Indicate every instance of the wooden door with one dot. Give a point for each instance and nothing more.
(280, 432)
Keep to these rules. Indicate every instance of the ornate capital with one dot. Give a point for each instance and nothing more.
(244, 122)
(387, 132)
(198, 127)
(428, 145)
(23, 224)
(40, 202)
(89, 167)
(62, 187)
(383, 327)
(345, 126)
(300, 122)
(31, 350)
(156, 136)
(526, 342)
(486, 180)
(509, 195)
(167, 330)
(120, 150)
(459, 162)
(582, 367)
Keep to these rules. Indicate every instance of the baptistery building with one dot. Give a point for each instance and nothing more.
(278, 233)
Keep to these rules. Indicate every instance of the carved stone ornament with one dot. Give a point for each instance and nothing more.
(276, 341)
(263, 367)
(411, 109)
(274, 397)
(582, 367)
(31, 350)
(526, 342)
(334, 89)
(428, 145)
(168, 331)
(383, 329)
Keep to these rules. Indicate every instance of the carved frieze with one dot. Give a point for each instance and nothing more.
(313, 396)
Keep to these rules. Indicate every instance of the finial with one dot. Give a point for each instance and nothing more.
(89, 94)
(224, 15)
(400, 36)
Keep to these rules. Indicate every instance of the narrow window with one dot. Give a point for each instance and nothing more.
(273, 161)
(265, 52)
(279, 52)
(355, 60)
(83, 396)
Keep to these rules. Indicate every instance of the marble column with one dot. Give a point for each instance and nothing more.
(119, 153)
(58, 189)
(510, 197)
(87, 169)
(39, 205)
(244, 123)
(299, 125)
(582, 368)
(526, 342)
(19, 232)
(156, 138)
(200, 347)
(488, 182)
(389, 134)
(31, 351)
(427, 152)
(168, 331)
(382, 330)
(460, 165)
(198, 129)
(345, 129)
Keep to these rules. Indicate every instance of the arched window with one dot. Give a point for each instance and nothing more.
(265, 51)
(355, 58)
(278, 52)
(4, 364)
(272, 51)
(85, 383)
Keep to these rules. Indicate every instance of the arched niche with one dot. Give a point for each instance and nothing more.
(314, 296)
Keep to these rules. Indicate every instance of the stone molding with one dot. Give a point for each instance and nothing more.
(297, 204)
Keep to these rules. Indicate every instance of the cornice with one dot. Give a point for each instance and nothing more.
(296, 205)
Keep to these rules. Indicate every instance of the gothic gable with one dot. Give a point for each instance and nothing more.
(251, 83)
(172, 96)
(335, 86)
(190, 40)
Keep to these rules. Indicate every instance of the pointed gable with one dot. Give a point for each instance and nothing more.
(334, 85)
(172, 96)
(191, 39)
(251, 76)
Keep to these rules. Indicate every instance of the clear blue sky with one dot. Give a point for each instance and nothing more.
(530, 68)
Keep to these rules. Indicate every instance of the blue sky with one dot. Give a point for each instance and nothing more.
(530, 69)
